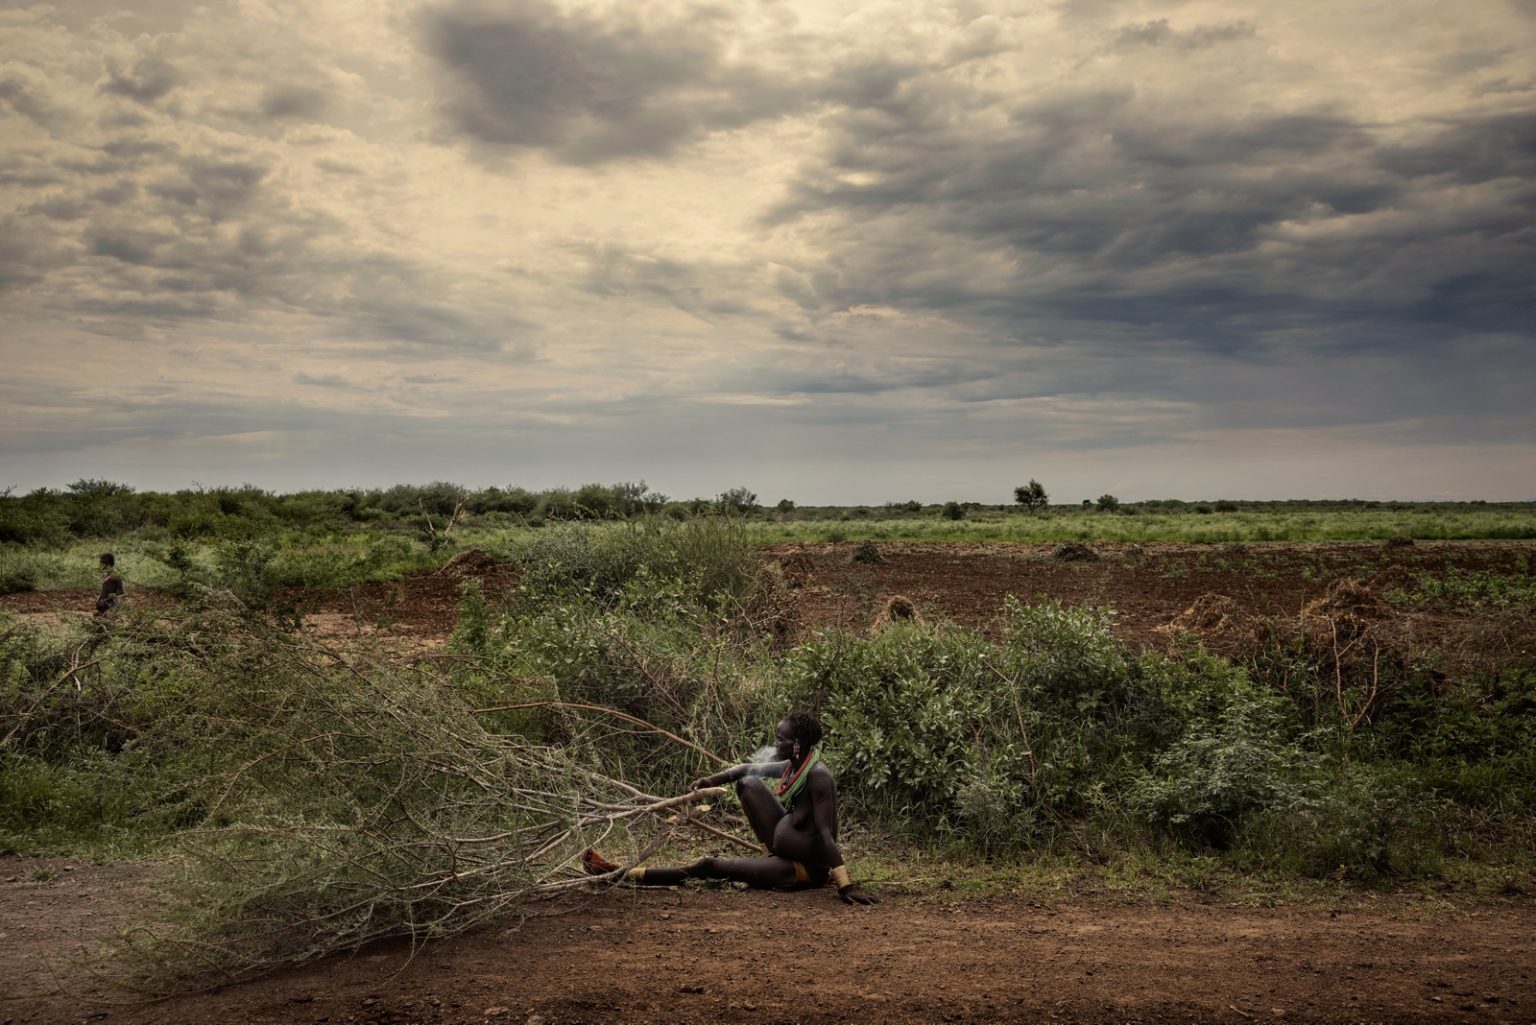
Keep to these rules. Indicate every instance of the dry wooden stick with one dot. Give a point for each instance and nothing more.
(722, 834)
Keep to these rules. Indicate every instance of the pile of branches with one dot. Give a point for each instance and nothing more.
(344, 798)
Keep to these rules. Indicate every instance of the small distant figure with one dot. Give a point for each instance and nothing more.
(111, 586)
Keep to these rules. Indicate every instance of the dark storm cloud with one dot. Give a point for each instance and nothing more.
(60, 208)
(148, 80)
(130, 152)
(27, 173)
(1108, 212)
(128, 246)
(1470, 151)
(338, 167)
(1089, 10)
(1468, 61)
(590, 91)
(220, 262)
(116, 194)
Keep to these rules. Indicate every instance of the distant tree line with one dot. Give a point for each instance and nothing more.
(101, 508)
(91, 508)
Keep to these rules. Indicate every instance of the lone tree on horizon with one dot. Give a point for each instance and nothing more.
(1031, 496)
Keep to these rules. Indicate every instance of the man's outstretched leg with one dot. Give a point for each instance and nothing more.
(768, 873)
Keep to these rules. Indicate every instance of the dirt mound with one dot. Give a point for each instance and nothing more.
(1217, 621)
(867, 552)
(1362, 642)
(1347, 599)
(471, 562)
(796, 569)
(1073, 551)
(1398, 542)
(898, 609)
(773, 607)
(1392, 578)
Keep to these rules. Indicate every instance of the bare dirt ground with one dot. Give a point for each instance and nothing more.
(1148, 586)
(696, 956)
(721, 955)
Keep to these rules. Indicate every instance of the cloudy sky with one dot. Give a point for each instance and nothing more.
(832, 250)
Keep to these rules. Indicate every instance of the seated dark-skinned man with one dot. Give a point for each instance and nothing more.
(796, 821)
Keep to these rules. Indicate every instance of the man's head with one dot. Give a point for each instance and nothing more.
(798, 732)
(108, 560)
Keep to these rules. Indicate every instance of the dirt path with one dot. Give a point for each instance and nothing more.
(699, 956)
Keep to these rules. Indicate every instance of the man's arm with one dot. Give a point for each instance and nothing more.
(737, 772)
(824, 818)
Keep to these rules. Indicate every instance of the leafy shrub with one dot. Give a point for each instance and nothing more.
(737, 501)
(1223, 769)
(244, 569)
(17, 572)
(1362, 823)
(710, 556)
(901, 710)
(653, 654)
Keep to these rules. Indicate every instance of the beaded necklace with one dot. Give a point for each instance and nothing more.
(790, 785)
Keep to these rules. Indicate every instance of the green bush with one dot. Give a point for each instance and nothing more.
(1223, 769)
(17, 571)
(901, 710)
(998, 745)
(1362, 823)
(709, 556)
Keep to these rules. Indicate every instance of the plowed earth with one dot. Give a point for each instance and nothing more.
(721, 955)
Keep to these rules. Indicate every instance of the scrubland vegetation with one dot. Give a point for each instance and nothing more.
(49, 539)
(320, 797)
